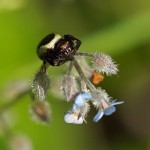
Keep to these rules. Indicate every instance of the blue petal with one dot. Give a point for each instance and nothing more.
(74, 107)
(87, 96)
(98, 116)
(79, 101)
(108, 111)
(116, 103)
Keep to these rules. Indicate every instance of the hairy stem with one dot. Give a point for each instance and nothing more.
(81, 74)
(85, 54)
(70, 68)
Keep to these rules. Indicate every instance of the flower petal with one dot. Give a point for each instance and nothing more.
(79, 101)
(116, 103)
(78, 120)
(87, 96)
(108, 111)
(98, 116)
(73, 118)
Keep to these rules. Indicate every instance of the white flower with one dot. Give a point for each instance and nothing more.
(73, 118)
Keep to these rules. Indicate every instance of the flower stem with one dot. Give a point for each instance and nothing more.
(70, 68)
(85, 54)
(44, 67)
(81, 74)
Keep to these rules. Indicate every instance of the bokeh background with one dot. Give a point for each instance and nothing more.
(120, 28)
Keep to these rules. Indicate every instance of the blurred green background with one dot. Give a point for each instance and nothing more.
(118, 28)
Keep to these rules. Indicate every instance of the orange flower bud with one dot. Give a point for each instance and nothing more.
(97, 77)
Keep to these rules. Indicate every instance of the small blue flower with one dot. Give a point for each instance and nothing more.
(79, 109)
(106, 108)
(80, 100)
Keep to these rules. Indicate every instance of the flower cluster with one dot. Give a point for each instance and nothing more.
(78, 86)
(81, 107)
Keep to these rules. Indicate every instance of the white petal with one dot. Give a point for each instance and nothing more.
(73, 118)
(69, 118)
(78, 120)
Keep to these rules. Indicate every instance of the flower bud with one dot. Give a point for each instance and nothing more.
(97, 77)
(41, 84)
(40, 110)
(104, 63)
(70, 87)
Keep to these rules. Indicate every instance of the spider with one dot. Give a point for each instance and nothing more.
(56, 50)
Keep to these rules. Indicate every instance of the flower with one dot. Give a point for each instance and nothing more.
(80, 99)
(40, 111)
(104, 63)
(79, 109)
(77, 114)
(80, 104)
(106, 108)
(74, 118)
